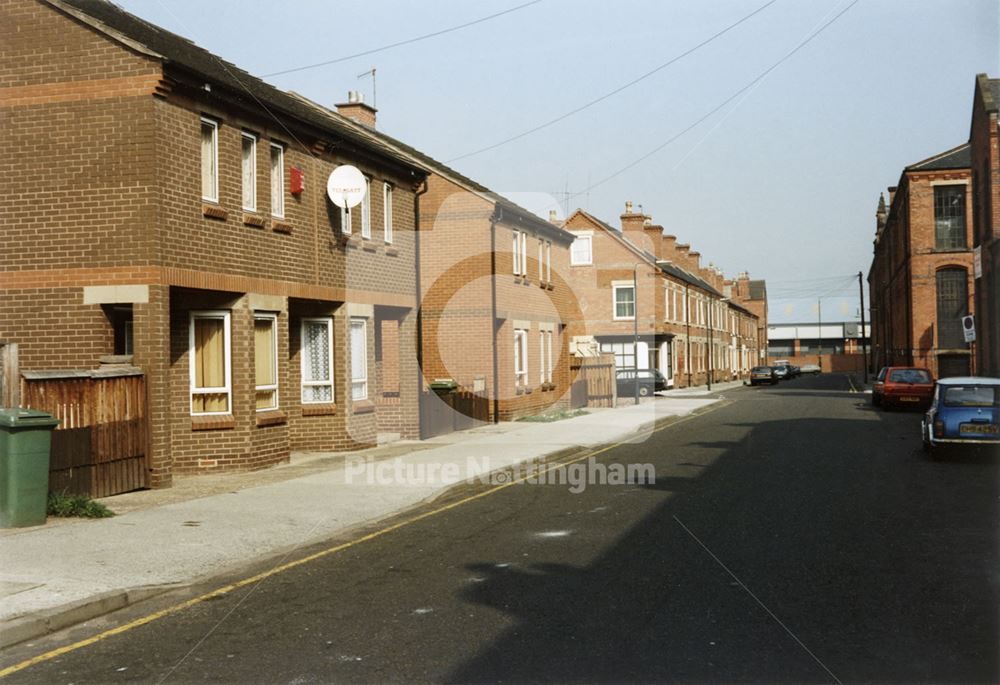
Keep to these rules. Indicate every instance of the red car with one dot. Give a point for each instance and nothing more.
(903, 386)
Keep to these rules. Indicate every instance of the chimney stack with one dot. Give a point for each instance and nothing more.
(632, 221)
(356, 110)
(552, 217)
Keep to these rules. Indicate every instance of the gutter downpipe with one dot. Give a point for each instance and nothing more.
(687, 328)
(497, 217)
(420, 317)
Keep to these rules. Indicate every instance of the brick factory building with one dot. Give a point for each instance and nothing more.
(921, 279)
(153, 206)
(984, 139)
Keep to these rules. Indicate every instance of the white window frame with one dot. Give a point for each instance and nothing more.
(614, 301)
(520, 357)
(361, 381)
(541, 260)
(273, 318)
(589, 239)
(252, 139)
(328, 321)
(278, 181)
(548, 261)
(215, 160)
(345, 220)
(366, 211)
(387, 211)
(516, 252)
(548, 356)
(227, 388)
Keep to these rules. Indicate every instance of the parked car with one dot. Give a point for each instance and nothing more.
(794, 371)
(781, 372)
(650, 381)
(811, 368)
(964, 411)
(762, 374)
(877, 386)
(905, 386)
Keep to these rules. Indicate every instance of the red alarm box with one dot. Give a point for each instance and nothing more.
(297, 180)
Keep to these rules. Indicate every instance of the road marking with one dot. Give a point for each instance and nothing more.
(264, 575)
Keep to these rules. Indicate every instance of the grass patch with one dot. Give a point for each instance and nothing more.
(551, 416)
(79, 506)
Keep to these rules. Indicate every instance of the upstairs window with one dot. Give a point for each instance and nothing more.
(624, 301)
(366, 211)
(345, 220)
(580, 252)
(520, 357)
(949, 217)
(248, 144)
(277, 181)
(519, 253)
(387, 211)
(209, 160)
(952, 305)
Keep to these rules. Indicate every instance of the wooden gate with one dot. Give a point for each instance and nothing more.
(452, 411)
(99, 448)
(599, 375)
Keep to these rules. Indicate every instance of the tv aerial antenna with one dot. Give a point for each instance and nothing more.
(371, 72)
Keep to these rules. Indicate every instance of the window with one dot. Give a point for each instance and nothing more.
(345, 220)
(249, 155)
(520, 253)
(209, 160)
(317, 360)
(520, 357)
(208, 352)
(580, 252)
(624, 301)
(624, 353)
(387, 211)
(952, 305)
(359, 359)
(548, 261)
(366, 211)
(265, 352)
(545, 356)
(541, 260)
(277, 181)
(949, 217)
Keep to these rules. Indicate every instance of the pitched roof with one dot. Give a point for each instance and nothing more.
(521, 214)
(956, 158)
(989, 91)
(666, 266)
(179, 52)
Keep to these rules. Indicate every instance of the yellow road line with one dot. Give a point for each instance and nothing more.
(226, 589)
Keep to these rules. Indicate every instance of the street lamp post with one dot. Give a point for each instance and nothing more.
(635, 330)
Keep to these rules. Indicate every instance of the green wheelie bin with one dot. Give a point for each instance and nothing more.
(25, 441)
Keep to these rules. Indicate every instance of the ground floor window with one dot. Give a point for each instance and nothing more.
(317, 360)
(520, 357)
(624, 353)
(209, 354)
(545, 356)
(265, 350)
(359, 359)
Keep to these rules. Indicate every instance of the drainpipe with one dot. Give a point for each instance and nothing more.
(497, 217)
(420, 316)
(687, 328)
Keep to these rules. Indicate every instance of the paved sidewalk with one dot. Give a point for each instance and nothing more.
(71, 570)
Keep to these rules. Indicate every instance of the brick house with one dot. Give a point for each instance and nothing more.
(162, 203)
(920, 279)
(494, 304)
(984, 140)
(646, 299)
(752, 295)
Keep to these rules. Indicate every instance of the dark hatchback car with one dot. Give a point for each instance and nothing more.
(782, 372)
(650, 381)
(760, 375)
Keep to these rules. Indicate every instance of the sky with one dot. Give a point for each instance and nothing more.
(782, 182)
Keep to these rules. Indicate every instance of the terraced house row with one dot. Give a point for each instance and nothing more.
(165, 217)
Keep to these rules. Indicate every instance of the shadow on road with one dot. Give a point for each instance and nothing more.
(879, 562)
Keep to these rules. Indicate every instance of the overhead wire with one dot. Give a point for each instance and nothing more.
(617, 90)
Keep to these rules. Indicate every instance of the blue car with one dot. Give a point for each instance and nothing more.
(964, 411)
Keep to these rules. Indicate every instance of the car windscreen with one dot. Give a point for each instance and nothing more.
(909, 376)
(762, 369)
(970, 396)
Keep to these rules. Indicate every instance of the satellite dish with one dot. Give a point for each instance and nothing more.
(346, 186)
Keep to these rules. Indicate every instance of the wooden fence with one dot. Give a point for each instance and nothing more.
(599, 374)
(453, 411)
(99, 447)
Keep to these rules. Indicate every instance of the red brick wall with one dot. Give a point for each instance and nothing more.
(984, 139)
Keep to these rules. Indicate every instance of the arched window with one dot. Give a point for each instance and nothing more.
(952, 305)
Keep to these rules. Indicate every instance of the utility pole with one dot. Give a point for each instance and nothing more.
(635, 329)
(819, 333)
(864, 341)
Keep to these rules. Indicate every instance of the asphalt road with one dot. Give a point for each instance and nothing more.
(792, 534)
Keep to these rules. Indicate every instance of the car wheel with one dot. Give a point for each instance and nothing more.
(643, 391)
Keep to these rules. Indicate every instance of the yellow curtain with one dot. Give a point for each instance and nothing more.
(209, 364)
(264, 361)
